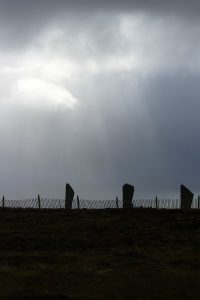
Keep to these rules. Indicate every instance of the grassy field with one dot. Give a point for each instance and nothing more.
(108, 254)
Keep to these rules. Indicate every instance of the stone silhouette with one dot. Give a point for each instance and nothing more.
(78, 202)
(128, 191)
(39, 201)
(69, 195)
(186, 197)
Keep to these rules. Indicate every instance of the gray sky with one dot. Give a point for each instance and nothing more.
(99, 94)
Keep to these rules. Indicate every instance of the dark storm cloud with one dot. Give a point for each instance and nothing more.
(173, 106)
(156, 146)
(30, 6)
(29, 15)
(21, 21)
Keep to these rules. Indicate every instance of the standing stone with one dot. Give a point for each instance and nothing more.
(69, 195)
(186, 197)
(128, 191)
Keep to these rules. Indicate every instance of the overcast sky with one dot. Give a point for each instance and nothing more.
(99, 94)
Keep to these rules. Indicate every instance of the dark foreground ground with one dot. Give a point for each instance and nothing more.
(110, 254)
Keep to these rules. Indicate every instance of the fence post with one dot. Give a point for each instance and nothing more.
(198, 204)
(117, 202)
(156, 200)
(3, 202)
(78, 202)
(39, 202)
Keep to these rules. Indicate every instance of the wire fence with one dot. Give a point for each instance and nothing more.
(46, 203)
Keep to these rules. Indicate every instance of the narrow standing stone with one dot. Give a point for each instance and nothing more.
(186, 197)
(69, 195)
(39, 202)
(128, 191)
(78, 202)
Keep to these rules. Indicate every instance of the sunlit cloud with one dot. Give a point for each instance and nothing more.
(42, 94)
(60, 55)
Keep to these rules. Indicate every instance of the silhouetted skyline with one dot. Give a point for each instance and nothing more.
(98, 94)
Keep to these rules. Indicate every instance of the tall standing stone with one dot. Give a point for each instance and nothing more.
(69, 195)
(186, 197)
(128, 191)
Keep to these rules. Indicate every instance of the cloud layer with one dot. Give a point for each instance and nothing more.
(99, 96)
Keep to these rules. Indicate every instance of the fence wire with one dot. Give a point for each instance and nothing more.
(46, 203)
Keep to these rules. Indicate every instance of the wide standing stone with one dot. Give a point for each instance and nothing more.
(186, 197)
(128, 191)
(69, 196)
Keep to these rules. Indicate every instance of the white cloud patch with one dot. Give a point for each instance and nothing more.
(41, 94)
(64, 53)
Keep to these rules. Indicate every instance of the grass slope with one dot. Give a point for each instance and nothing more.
(108, 254)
